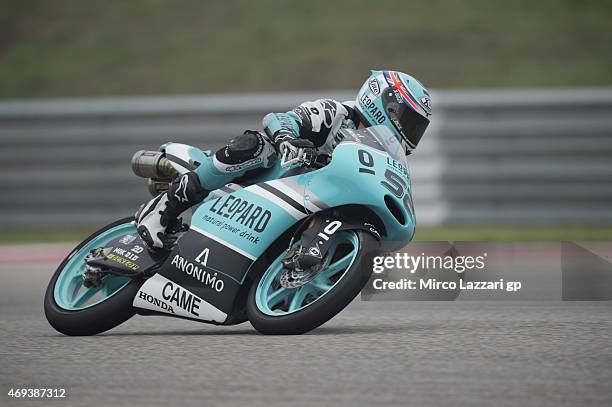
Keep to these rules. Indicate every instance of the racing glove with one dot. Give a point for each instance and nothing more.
(297, 151)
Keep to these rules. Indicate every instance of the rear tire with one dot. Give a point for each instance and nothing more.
(325, 307)
(98, 318)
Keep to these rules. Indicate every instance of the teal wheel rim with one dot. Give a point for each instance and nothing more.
(274, 300)
(70, 293)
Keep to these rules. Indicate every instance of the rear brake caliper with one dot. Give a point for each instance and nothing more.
(92, 276)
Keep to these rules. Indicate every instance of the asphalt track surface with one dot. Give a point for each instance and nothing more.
(472, 353)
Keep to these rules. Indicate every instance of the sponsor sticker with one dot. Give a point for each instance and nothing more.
(155, 301)
(242, 212)
(163, 295)
(199, 272)
(127, 239)
(426, 101)
(246, 164)
(372, 110)
(124, 262)
(374, 86)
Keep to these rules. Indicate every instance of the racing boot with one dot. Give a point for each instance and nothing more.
(157, 220)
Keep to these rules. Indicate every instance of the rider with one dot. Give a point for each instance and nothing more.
(393, 99)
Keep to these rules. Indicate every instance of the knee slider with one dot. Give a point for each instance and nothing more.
(242, 148)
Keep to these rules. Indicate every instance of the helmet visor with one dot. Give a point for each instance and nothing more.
(410, 124)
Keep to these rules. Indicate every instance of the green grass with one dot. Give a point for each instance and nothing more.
(93, 48)
(444, 233)
(44, 236)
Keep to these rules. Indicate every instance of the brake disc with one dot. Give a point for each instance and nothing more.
(292, 277)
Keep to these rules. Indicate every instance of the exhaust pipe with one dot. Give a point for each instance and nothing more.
(152, 164)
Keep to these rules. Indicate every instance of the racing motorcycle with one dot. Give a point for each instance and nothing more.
(287, 252)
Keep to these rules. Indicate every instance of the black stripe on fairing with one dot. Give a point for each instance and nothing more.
(180, 162)
(296, 205)
(292, 184)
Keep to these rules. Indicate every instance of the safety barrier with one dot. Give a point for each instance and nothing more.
(489, 156)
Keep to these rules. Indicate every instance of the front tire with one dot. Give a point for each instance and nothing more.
(72, 309)
(299, 311)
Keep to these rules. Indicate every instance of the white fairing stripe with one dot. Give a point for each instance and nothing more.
(277, 201)
(292, 193)
(234, 187)
(151, 296)
(180, 151)
(223, 242)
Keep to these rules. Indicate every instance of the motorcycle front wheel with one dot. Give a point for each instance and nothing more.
(275, 310)
(73, 309)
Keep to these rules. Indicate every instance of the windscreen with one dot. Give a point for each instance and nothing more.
(379, 138)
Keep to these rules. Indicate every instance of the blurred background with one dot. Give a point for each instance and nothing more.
(520, 145)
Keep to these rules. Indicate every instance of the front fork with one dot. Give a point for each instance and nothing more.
(316, 238)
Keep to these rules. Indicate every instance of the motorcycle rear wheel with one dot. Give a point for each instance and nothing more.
(75, 310)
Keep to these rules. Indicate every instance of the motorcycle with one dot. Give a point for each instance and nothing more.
(287, 251)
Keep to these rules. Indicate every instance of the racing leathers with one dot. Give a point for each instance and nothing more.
(317, 122)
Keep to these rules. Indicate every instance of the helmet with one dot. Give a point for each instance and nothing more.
(398, 101)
